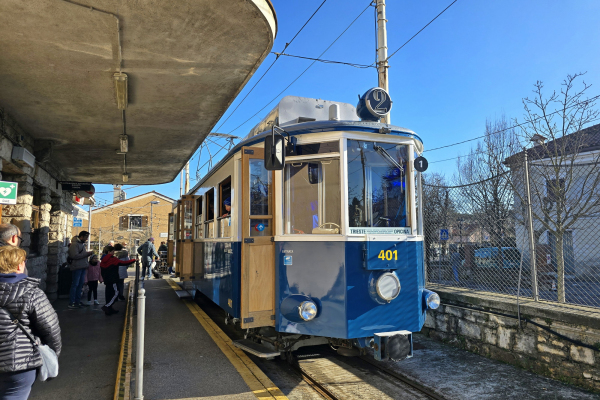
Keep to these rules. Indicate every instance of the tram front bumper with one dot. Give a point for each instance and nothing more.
(393, 346)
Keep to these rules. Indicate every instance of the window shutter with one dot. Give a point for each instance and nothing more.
(144, 221)
(123, 222)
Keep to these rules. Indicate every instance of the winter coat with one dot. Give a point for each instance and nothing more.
(22, 297)
(147, 250)
(79, 254)
(123, 255)
(93, 273)
(110, 268)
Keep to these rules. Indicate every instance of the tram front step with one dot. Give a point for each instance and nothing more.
(256, 349)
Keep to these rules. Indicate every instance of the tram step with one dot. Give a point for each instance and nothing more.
(184, 294)
(257, 349)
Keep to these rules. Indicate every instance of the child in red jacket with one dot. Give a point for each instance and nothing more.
(109, 267)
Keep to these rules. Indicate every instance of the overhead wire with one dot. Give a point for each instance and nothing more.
(303, 72)
(326, 61)
(271, 66)
(421, 30)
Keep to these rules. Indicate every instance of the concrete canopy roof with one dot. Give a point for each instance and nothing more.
(186, 61)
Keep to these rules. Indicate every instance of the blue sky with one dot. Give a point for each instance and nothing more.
(475, 62)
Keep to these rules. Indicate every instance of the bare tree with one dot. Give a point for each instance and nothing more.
(485, 181)
(564, 172)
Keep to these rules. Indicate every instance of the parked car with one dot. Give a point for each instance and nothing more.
(488, 257)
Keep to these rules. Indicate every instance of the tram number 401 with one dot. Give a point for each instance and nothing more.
(388, 255)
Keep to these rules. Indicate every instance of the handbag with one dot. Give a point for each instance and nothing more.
(49, 367)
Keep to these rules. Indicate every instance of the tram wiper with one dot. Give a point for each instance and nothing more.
(386, 156)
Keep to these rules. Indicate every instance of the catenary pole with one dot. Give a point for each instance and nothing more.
(187, 177)
(181, 184)
(89, 243)
(382, 51)
(532, 250)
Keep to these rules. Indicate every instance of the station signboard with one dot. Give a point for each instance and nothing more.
(77, 222)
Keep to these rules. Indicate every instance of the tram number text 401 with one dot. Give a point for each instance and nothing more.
(388, 255)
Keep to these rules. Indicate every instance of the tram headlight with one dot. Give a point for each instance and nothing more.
(432, 299)
(388, 286)
(307, 310)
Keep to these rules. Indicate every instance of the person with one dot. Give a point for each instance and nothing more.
(122, 254)
(10, 235)
(455, 260)
(109, 267)
(93, 276)
(105, 249)
(147, 251)
(162, 247)
(22, 299)
(78, 266)
(227, 204)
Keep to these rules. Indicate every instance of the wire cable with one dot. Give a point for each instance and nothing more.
(421, 30)
(517, 125)
(326, 61)
(270, 66)
(303, 72)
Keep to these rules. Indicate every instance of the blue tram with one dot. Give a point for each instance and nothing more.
(314, 238)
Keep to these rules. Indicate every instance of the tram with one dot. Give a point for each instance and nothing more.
(307, 231)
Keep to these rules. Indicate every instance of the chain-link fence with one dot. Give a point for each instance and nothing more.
(478, 234)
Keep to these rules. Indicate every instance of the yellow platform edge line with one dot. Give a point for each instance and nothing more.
(126, 326)
(255, 378)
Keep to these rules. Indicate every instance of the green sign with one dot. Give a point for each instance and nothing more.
(8, 192)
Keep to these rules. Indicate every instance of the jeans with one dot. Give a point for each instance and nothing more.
(78, 278)
(146, 270)
(455, 270)
(16, 385)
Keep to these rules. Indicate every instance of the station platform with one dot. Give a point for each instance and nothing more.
(188, 357)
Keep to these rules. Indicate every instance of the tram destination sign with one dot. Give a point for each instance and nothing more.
(8, 192)
(380, 231)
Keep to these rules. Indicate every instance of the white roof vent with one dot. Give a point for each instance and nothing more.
(22, 157)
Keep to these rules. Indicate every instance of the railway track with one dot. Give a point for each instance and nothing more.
(337, 378)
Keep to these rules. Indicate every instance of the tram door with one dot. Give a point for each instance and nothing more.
(185, 239)
(258, 249)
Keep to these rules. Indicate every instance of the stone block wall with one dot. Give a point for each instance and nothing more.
(483, 331)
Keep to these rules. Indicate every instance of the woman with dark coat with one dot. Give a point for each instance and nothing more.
(21, 298)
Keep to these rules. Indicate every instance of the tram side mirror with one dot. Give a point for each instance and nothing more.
(274, 153)
(313, 173)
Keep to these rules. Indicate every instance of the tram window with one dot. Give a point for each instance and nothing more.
(260, 185)
(225, 197)
(199, 211)
(312, 197)
(210, 214)
(377, 192)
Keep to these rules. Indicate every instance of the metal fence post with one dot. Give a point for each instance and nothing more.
(533, 255)
(139, 356)
(136, 282)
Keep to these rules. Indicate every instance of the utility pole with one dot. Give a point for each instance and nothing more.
(532, 249)
(181, 184)
(152, 217)
(89, 243)
(382, 50)
(187, 177)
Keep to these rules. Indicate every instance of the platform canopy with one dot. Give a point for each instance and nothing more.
(185, 63)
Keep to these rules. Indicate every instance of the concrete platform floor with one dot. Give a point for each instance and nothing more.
(90, 354)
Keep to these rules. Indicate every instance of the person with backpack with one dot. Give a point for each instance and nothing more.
(22, 300)
(110, 273)
(147, 251)
(122, 254)
(78, 264)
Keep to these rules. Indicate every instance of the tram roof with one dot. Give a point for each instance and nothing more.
(315, 127)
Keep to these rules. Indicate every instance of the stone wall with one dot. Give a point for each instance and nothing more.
(54, 205)
(481, 330)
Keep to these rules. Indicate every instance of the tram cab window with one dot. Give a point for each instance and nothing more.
(225, 205)
(260, 199)
(209, 225)
(312, 197)
(377, 188)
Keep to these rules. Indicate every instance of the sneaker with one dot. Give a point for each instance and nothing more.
(73, 305)
(113, 311)
(96, 302)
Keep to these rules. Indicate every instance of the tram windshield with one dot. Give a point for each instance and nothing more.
(377, 189)
(312, 197)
